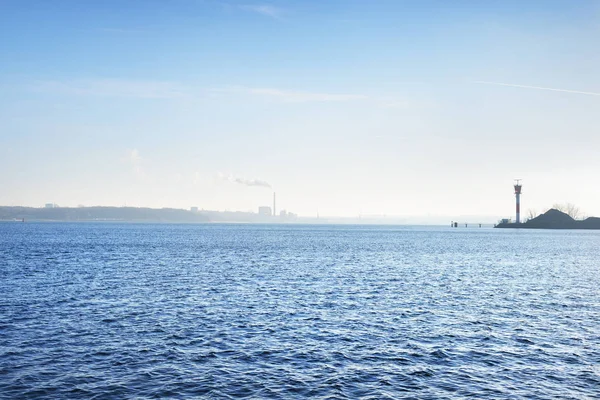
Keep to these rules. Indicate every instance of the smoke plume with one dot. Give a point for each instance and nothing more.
(246, 182)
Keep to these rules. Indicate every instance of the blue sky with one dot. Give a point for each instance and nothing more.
(346, 107)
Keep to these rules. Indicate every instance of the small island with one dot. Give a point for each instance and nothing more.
(553, 219)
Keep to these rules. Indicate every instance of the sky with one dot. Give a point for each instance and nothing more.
(342, 107)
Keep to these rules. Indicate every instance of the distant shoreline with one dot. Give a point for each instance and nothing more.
(173, 215)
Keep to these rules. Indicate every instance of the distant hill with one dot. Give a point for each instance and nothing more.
(125, 214)
(554, 219)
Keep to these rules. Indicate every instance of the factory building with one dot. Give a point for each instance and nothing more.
(265, 211)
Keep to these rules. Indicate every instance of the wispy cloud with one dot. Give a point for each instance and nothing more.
(243, 181)
(113, 88)
(538, 88)
(394, 103)
(135, 162)
(294, 96)
(264, 9)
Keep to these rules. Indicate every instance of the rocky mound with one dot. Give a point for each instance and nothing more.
(554, 219)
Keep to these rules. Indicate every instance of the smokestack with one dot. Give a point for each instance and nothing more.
(274, 209)
(518, 200)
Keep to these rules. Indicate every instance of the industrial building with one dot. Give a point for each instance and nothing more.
(265, 211)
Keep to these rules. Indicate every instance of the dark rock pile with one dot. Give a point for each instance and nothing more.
(554, 219)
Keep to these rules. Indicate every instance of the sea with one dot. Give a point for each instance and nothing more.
(223, 311)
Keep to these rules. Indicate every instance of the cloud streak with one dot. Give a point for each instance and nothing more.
(538, 88)
(263, 9)
(113, 88)
(291, 96)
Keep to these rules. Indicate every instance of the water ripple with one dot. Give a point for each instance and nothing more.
(220, 311)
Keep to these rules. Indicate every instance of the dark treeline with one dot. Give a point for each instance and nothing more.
(130, 214)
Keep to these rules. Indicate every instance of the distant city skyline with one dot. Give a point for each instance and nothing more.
(343, 108)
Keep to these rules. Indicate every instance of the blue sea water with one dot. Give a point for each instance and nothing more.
(108, 311)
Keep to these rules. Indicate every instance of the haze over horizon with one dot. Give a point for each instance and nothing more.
(341, 107)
